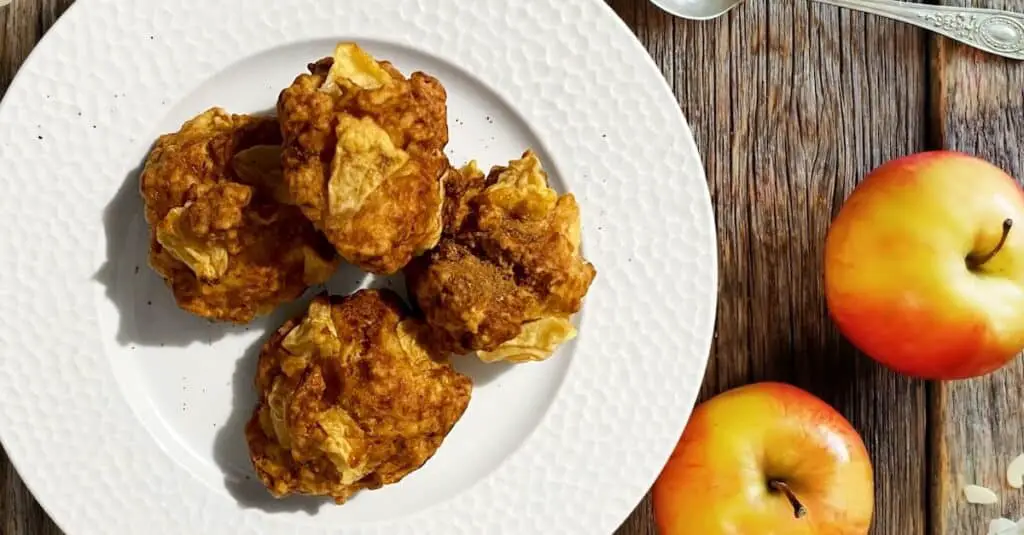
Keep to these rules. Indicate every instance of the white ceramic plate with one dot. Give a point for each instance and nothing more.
(124, 414)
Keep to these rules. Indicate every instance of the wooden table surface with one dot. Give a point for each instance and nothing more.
(790, 105)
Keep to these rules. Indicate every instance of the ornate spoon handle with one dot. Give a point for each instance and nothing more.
(992, 30)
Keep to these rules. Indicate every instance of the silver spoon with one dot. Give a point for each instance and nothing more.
(992, 30)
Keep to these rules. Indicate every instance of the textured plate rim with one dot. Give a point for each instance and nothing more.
(63, 485)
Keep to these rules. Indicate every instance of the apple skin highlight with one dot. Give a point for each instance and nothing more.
(716, 482)
(898, 280)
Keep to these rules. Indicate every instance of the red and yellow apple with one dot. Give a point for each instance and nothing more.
(766, 459)
(924, 266)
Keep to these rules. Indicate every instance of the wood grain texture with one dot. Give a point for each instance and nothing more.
(978, 108)
(22, 24)
(790, 108)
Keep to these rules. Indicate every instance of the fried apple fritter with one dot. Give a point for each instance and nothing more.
(228, 249)
(363, 156)
(508, 275)
(460, 187)
(351, 398)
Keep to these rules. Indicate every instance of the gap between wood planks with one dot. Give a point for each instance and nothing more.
(977, 105)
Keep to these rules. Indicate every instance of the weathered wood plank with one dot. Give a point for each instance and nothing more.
(22, 24)
(978, 108)
(790, 108)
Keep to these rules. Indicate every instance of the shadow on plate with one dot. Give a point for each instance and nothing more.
(230, 450)
(148, 314)
(479, 371)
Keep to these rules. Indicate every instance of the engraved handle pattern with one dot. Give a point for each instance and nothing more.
(992, 30)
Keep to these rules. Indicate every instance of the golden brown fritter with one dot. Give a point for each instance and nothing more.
(363, 156)
(460, 187)
(350, 398)
(228, 249)
(508, 275)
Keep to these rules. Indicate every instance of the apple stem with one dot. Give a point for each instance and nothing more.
(977, 262)
(779, 486)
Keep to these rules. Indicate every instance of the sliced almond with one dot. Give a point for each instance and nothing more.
(1002, 526)
(1015, 472)
(980, 495)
